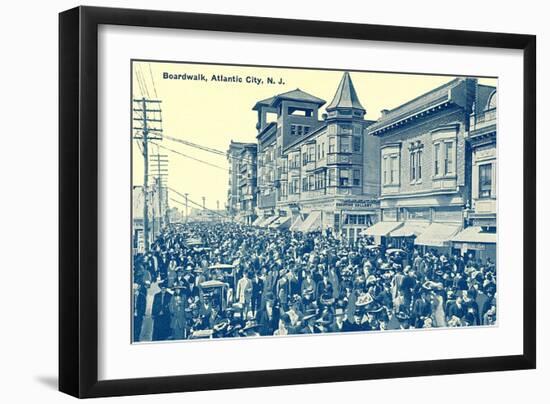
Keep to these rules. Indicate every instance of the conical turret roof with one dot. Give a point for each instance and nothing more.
(345, 96)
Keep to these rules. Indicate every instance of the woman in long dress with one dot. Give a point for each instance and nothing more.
(438, 312)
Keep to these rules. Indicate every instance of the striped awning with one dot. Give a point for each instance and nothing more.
(438, 234)
(381, 228)
(312, 223)
(282, 222)
(410, 229)
(475, 234)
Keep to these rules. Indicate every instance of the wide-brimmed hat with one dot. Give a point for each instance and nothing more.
(250, 325)
(363, 300)
(402, 316)
(327, 299)
(309, 317)
(374, 307)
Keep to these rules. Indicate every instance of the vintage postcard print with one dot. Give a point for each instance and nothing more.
(271, 201)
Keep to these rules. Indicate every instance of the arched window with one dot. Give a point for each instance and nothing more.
(492, 103)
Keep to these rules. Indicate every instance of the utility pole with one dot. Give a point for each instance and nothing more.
(186, 207)
(203, 203)
(146, 133)
(159, 171)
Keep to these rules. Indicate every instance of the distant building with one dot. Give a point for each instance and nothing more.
(206, 215)
(316, 174)
(233, 153)
(266, 162)
(174, 215)
(480, 237)
(247, 184)
(242, 191)
(157, 208)
(425, 171)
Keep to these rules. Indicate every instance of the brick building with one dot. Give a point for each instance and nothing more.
(424, 166)
(316, 173)
(480, 237)
(241, 194)
(247, 183)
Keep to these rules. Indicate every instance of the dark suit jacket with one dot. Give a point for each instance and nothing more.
(160, 305)
(140, 302)
(268, 325)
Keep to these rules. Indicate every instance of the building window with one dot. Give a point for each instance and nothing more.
(304, 158)
(394, 173)
(357, 144)
(346, 129)
(419, 165)
(344, 177)
(311, 152)
(356, 178)
(332, 177)
(485, 180)
(413, 165)
(449, 161)
(436, 159)
(294, 186)
(323, 150)
(304, 184)
(385, 170)
(299, 130)
(332, 144)
(345, 144)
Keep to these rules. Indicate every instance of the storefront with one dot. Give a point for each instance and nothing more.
(437, 236)
(380, 231)
(476, 241)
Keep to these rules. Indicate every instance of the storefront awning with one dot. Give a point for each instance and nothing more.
(269, 220)
(410, 229)
(296, 223)
(282, 222)
(258, 220)
(312, 223)
(381, 228)
(475, 234)
(438, 234)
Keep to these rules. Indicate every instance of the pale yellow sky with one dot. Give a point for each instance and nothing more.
(213, 113)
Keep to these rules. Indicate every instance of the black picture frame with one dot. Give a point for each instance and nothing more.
(78, 201)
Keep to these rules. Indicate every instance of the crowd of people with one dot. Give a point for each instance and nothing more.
(218, 280)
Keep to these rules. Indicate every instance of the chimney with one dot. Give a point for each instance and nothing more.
(384, 112)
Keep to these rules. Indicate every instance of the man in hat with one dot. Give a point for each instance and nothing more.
(421, 309)
(308, 324)
(339, 319)
(140, 303)
(354, 323)
(268, 317)
(161, 313)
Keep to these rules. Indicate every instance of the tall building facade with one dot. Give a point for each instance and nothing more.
(247, 183)
(317, 174)
(425, 174)
(235, 157)
(480, 237)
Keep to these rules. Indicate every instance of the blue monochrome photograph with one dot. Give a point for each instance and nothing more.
(274, 201)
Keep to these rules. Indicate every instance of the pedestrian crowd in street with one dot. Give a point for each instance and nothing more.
(219, 280)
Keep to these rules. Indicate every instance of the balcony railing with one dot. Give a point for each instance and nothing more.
(338, 159)
(483, 119)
